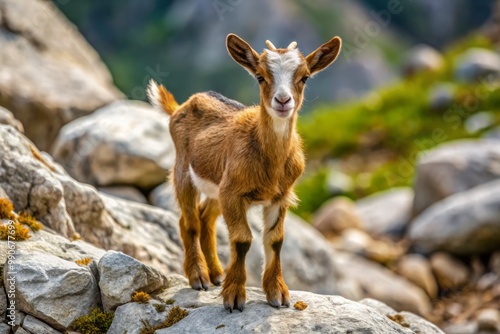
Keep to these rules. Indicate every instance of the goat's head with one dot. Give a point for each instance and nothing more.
(282, 73)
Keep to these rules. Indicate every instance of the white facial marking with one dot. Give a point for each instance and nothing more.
(208, 188)
(282, 67)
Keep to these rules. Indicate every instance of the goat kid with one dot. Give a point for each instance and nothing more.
(240, 156)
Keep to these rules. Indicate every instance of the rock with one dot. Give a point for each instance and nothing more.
(338, 183)
(487, 281)
(148, 234)
(121, 275)
(7, 118)
(479, 121)
(129, 318)
(51, 289)
(128, 193)
(4, 328)
(417, 324)
(417, 269)
(21, 330)
(442, 96)
(450, 272)
(30, 184)
(464, 223)
(492, 134)
(389, 288)
(353, 241)
(50, 75)
(462, 328)
(37, 185)
(386, 213)
(206, 315)
(124, 143)
(46, 242)
(477, 63)
(307, 259)
(163, 196)
(495, 262)
(3, 301)
(33, 325)
(335, 216)
(454, 167)
(488, 319)
(422, 58)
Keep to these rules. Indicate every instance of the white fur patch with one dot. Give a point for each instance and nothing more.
(271, 214)
(154, 95)
(283, 68)
(208, 188)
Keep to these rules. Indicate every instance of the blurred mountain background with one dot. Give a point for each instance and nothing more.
(182, 43)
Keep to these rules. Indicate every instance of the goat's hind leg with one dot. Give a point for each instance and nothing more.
(209, 211)
(195, 265)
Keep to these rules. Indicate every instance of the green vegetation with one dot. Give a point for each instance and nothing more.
(378, 139)
(96, 322)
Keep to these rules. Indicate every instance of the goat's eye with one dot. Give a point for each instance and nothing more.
(260, 78)
(304, 79)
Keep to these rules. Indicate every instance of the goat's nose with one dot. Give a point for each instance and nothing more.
(283, 99)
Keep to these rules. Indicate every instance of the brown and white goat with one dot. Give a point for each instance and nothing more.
(237, 157)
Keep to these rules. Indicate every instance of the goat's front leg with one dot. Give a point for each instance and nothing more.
(240, 237)
(273, 234)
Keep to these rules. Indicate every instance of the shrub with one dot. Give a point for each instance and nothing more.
(96, 322)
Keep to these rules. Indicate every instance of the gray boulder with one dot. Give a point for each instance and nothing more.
(49, 75)
(454, 167)
(121, 275)
(128, 193)
(335, 216)
(477, 63)
(163, 196)
(464, 223)
(417, 324)
(33, 325)
(124, 143)
(75, 210)
(386, 213)
(130, 318)
(51, 289)
(324, 314)
(4, 328)
(442, 95)
(377, 282)
(7, 118)
(3, 303)
(422, 58)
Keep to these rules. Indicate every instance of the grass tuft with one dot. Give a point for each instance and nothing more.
(96, 322)
(83, 262)
(14, 232)
(175, 315)
(140, 297)
(6, 209)
(28, 220)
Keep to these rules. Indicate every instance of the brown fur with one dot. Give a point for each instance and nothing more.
(240, 151)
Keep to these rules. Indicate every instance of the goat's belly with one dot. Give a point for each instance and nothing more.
(207, 187)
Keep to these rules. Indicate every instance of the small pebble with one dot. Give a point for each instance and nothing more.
(300, 305)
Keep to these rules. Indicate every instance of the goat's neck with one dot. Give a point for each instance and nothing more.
(275, 136)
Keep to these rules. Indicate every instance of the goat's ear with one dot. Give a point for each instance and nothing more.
(323, 56)
(242, 53)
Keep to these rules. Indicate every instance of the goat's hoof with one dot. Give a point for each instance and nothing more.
(216, 279)
(234, 298)
(278, 297)
(199, 283)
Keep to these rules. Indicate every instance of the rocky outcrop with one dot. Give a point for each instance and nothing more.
(464, 223)
(121, 275)
(477, 63)
(7, 118)
(454, 167)
(325, 314)
(49, 75)
(386, 213)
(335, 216)
(53, 290)
(124, 143)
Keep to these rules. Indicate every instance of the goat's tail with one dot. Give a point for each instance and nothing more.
(161, 98)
